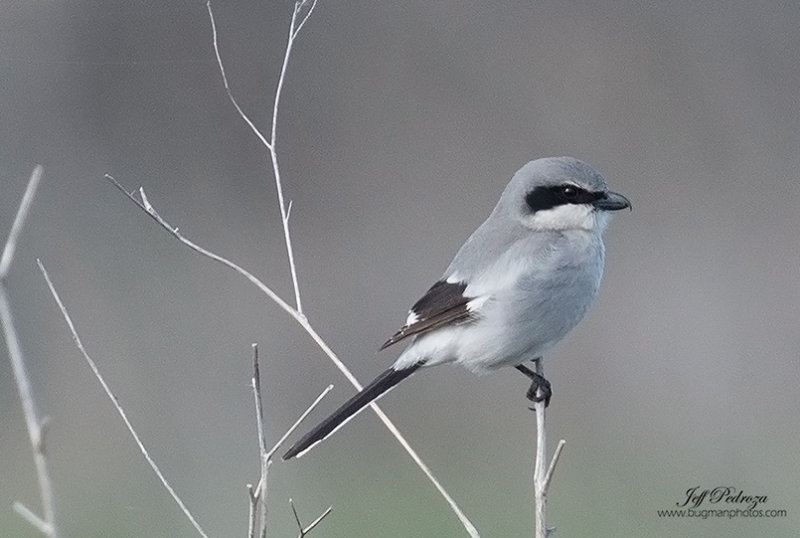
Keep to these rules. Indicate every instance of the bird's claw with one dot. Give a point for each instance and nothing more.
(540, 391)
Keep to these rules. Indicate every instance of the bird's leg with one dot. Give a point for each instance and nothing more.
(538, 382)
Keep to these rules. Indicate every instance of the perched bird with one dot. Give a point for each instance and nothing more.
(515, 288)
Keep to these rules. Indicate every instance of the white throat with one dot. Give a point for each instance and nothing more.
(568, 217)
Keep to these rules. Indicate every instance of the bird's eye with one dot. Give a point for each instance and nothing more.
(569, 192)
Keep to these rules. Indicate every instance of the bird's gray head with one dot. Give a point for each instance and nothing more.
(559, 194)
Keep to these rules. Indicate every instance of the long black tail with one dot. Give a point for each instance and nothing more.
(350, 408)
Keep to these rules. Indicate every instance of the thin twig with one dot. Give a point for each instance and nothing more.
(539, 469)
(36, 427)
(299, 5)
(305, 530)
(251, 520)
(117, 406)
(19, 221)
(35, 430)
(37, 522)
(270, 144)
(297, 422)
(261, 490)
(306, 325)
(317, 521)
(294, 30)
(258, 495)
(296, 517)
(553, 462)
(232, 99)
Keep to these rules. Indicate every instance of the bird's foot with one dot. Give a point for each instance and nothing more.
(540, 390)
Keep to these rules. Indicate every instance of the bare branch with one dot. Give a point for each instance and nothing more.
(305, 530)
(298, 6)
(225, 81)
(258, 494)
(251, 520)
(542, 473)
(261, 489)
(297, 423)
(317, 521)
(306, 325)
(276, 169)
(35, 521)
(117, 406)
(539, 471)
(36, 427)
(271, 143)
(19, 221)
(152, 213)
(553, 462)
(256, 385)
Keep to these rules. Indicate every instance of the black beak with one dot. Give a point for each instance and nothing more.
(612, 201)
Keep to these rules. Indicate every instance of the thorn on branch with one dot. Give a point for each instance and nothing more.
(145, 201)
(42, 434)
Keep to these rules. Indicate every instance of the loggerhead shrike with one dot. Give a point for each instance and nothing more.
(517, 286)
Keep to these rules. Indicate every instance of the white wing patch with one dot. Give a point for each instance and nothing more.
(475, 304)
(454, 279)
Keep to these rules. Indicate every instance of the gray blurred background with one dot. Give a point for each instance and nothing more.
(401, 124)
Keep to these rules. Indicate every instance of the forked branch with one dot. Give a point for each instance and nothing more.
(258, 494)
(308, 528)
(294, 29)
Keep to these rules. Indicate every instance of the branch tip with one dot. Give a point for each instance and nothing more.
(35, 521)
(553, 462)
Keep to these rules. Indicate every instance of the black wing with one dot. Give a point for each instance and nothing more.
(443, 304)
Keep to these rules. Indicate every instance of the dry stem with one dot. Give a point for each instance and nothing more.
(37, 428)
(258, 495)
(542, 473)
(305, 530)
(294, 30)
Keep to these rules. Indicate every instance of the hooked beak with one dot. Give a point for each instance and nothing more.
(612, 201)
